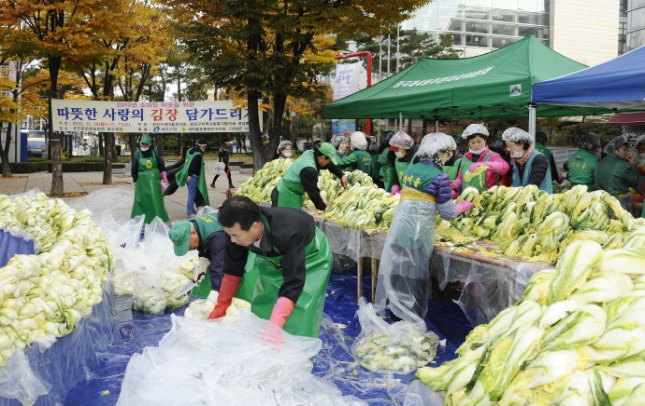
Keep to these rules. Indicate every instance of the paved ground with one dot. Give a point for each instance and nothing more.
(88, 182)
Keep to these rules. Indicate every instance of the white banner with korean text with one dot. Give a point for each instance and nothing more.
(149, 117)
(346, 81)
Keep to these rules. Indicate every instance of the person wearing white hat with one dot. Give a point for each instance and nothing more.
(403, 147)
(358, 158)
(531, 167)
(403, 280)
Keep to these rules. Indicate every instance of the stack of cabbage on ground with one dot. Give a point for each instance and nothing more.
(47, 294)
(536, 226)
(577, 336)
(160, 293)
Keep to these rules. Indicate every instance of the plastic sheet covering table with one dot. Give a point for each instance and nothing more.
(489, 285)
(70, 360)
(333, 363)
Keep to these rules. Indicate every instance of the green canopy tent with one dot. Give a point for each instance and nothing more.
(493, 85)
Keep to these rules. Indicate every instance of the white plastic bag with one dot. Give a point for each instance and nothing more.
(19, 381)
(420, 395)
(219, 168)
(388, 348)
(215, 363)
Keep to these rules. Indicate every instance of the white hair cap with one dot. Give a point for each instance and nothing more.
(434, 143)
(358, 140)
(338, 139)
(283, 145)
(401, 140)
(475, 129)
(516, 135)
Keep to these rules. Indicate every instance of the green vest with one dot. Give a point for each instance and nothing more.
(291, 176)
(376, 166)
(419, 176)
(148, 199)
(546, 184)
(479, 181)
(387, 170)
(363, 161)
(453, 169)
(182, 175)
(401, 167)
(581, 169)
(544, 150)
(207, 224)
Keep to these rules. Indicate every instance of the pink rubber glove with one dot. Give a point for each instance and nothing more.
(281, 311)
(476, 165)
(164, 177)
(456, 184)
(463, 206)
(396, 190)
(497, 167)
(454, 194)
(230, 283)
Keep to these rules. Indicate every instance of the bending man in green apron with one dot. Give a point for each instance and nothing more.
(206, 235)
(192, 174)
(302, 176)
(287, 285)
(147, 170)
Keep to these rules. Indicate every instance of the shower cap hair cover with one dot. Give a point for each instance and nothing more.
(401, 140)
(434, 143)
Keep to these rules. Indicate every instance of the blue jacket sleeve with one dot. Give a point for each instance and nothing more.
(160, 163)
(133, 171)
(216, 243)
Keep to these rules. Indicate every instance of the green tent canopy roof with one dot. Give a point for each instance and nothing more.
(496, 84)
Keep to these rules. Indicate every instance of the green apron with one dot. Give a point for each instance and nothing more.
(387, 170)
(182, 175)
(581, 169)
(363, 161)
(148, 199)
(206, 225)
(376, 166)
(453, 169)
(479, 181)
(401, 167)
(263, 278)
(290, 189)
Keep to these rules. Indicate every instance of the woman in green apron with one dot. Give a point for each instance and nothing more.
(617, 172)
(192, 175)
(288, 282)
(403, 147)
(358, 158)
(478, 156)
(386, 162)
(148, 170)
(403, 274)
(302, 176)
(530, 167)
(341, 143)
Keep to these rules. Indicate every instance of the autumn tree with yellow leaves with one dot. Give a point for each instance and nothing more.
(260, 46)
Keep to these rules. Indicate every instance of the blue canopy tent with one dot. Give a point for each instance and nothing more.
(617, 84)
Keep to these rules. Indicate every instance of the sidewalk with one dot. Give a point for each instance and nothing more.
(83, 183)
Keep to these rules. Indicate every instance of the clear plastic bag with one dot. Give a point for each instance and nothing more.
(387, 348)
(420, 395)
(216, 363)
(19, 381)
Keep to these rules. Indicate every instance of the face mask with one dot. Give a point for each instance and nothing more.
(642, 155)
(476, 151)
(144, 149)
(341, 153)
(399, 154)
(287, 154)
(517, 154)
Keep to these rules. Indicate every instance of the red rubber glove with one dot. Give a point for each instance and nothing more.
(230, 283)
(396, 190)
(463, 206)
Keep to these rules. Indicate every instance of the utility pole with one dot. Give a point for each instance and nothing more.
(388, 55)
(397, 48)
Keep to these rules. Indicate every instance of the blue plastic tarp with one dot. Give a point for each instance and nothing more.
(133, 331)
(11, 245)
(615, 84)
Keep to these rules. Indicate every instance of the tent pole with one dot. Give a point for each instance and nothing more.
(397, 49)
(436, 125)
(532, 120)
(388, 55)
(400, 121)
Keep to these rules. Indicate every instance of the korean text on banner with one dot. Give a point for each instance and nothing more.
(347, 77)
(149, 117)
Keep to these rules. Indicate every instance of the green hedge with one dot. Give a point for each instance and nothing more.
(31, 167)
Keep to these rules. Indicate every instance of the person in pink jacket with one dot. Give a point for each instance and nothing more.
(479, 155)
